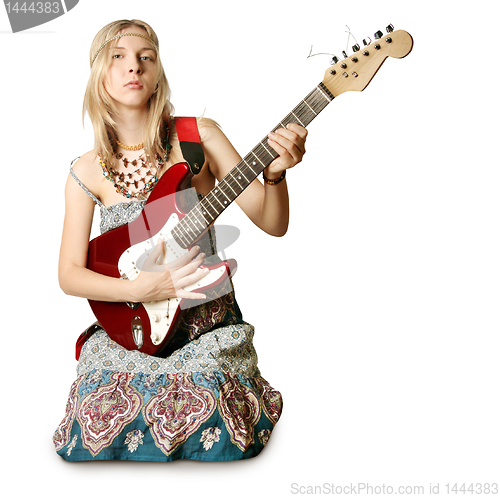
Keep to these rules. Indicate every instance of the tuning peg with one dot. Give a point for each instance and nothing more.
(378, 35)
(355, 48)
(365, 43)
(389, 28)
(334, 60)
(344, 54)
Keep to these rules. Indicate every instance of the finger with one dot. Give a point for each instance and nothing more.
(187, 269)
(191, 279)
(184, 294)
(283, 146)
(151, 262)
(185, 258)
(294, 133)
(299, 130)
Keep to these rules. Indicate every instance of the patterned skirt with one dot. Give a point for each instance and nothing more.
(207, 401)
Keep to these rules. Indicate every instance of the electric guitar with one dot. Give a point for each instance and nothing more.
(149, 327)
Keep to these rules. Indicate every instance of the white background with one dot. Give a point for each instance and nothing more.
(377, 315)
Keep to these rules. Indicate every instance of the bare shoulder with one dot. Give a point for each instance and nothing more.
(88, 171)
(85, 165)
(219, 152)
(208, 128)
(212, 137)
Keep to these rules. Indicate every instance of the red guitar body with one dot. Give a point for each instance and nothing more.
(119, 319)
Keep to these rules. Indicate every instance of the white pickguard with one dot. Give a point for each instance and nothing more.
(161, 313)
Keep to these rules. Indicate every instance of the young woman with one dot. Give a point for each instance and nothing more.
(205, 400)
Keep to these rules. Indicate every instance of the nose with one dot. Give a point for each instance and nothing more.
(135, 67)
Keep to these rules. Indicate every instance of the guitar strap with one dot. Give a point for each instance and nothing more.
(190, 143)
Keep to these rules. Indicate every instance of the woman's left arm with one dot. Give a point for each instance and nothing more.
(266, 205)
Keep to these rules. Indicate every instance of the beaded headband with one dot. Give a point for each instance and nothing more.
(116, 38)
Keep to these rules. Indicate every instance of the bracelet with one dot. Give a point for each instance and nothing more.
(274, 182)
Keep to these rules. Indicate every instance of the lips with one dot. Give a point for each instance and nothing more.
(134, 84)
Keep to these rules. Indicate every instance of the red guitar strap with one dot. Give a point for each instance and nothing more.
(190, 143)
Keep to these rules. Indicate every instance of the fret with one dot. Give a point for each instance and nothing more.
(215, 191)
(190, 225)
(193, 218)
(258, 159)
(202, 213)
(324, 95)
(228, 183)
(271, 152)
(264, 155)
(221, 189)
(312, 110)
(237, 183)
(297, 118)
(317, 100)
(205, 211)
(242, 173)
(207, 201)
(248, 159)
(238, 179)
(304, 113)
(181, 234)
(325, 92)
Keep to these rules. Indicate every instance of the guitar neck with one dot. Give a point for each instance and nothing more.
(189, 229)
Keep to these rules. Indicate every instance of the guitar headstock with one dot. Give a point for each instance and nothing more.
(355, 72)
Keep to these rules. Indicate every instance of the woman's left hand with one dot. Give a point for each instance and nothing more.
(289, 143)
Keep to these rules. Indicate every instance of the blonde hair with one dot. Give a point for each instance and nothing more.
(100, 107)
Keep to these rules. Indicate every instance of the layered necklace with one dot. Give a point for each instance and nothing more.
(141, 172)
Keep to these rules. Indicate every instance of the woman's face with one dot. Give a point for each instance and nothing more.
(131, 77)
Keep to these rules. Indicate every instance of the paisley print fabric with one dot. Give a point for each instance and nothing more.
(206, 400)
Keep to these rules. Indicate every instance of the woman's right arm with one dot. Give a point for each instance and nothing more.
(77, 280)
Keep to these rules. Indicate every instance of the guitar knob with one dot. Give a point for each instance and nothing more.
(389, 28)
(157, 317)
(334, 60)
(378, 35)
(355, 48)
(137, 333)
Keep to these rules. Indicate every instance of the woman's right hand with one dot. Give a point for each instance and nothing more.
(157, 282)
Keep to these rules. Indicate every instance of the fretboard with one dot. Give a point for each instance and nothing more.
(189, 229)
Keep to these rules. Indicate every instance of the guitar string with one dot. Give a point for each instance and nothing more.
(302, 114)
(315, 99)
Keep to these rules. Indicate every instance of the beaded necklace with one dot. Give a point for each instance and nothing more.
(123, 181)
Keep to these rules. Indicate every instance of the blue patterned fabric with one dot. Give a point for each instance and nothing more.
(205, 401)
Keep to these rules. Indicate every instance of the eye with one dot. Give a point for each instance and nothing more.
(146, 58)
(116, 56)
